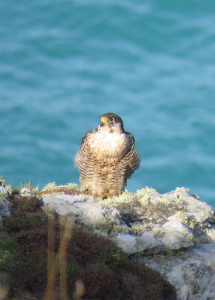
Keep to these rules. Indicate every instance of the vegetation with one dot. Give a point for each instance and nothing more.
(50, 258)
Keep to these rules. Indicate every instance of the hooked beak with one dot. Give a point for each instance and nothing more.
(103, 122)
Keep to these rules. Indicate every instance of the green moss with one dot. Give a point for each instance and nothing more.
(73, 270)
(115, 258)
(7, 243)
(25, 222)
(7, 260)
(8, 256)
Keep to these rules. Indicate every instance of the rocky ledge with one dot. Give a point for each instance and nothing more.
(173, 233)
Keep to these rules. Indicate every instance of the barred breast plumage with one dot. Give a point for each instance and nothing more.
(107, 157)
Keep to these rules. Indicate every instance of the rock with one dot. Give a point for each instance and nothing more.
(191, 272)
(27, 192)
(173, 233)
(4, 202)
(82, 209)
(176, 220)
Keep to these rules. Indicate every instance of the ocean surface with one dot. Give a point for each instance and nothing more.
(65, 63)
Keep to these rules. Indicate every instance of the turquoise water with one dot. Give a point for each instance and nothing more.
(64, 63)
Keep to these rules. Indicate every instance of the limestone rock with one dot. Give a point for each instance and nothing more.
(191, 272)
(176, 220)
(82, 209)
(4, 202)
(173, 233)
(145, 221)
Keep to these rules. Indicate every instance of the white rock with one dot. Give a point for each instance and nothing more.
(193, 207)
(3, 190)
(177, 235)
(84, 210)
(170, 222)
(4, 202)
(193, 276)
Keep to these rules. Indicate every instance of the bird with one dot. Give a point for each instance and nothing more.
(107, 158)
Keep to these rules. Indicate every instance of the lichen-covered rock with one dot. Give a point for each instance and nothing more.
(4, 202)
(145, 221)
(82, 209)
(176, 220)
(192, 272)
(173, 233)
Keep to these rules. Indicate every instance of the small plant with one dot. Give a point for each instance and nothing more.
(195, 287)
(159, 233)
(8, 256)
(125, 197)
(138, 229)
(58, 262)
(52, 190)
(164, 201)
(2, 181)
(144, 195)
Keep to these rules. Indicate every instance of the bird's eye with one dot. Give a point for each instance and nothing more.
(111, 119)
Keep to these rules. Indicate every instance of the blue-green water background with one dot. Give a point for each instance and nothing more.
(64, 63)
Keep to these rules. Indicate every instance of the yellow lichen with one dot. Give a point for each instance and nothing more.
(159, 233)
(144, 195)
(164, 201)
(190, 236)
(137, 229)
(50, 185)
(145, 191)
(2, 181)
(182, 216)
(125, 197)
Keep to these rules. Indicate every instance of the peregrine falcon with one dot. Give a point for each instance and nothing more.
(107, 157)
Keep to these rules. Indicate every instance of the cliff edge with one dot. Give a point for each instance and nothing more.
(173, 233)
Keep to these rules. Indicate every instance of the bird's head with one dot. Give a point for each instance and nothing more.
(111, 123)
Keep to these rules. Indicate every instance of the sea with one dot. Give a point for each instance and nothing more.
(64, 63)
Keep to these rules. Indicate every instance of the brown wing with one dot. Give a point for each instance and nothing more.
(130, 162)
(83, 159)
